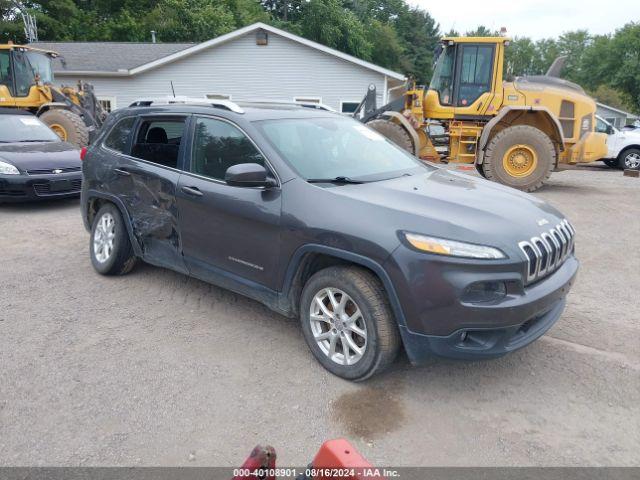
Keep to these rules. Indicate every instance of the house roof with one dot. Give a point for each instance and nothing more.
(126, 59)
(617, 110)
(107, 56)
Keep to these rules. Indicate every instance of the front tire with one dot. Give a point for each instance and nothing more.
(521, 157)
(67, 125)
(109, 246)
(629, 159)
(612, 163)
(394, 132)
(348, 323)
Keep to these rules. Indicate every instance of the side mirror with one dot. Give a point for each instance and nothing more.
(610, 129)
(248, 175)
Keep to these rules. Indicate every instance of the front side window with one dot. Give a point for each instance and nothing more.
(442, 80)
(602, 126)
(329, 147)
(158, 141)
(219, 145)
(24, 128)
(118, 138)
(475, 73)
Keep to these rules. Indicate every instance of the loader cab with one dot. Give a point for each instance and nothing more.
(22, 68)
(467, 77)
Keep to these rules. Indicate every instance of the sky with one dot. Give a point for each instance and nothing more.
(532, 18)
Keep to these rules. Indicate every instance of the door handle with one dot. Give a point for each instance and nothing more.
(193, 191)
(122, 172)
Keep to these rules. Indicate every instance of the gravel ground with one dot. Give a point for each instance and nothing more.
(155, 368)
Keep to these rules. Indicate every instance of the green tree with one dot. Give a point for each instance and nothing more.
(573, 45)
(419, 34)
(327, 22)
(625, 53)
(386, 48)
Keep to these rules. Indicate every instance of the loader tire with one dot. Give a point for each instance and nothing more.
(521, 157)
(394, 132)
(67, 125)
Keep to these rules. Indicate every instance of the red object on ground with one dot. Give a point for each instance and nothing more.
(261, 458)
(339, 456)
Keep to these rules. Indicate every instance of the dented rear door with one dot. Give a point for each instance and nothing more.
(147, 182)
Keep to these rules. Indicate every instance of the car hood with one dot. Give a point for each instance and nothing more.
(456, 206)
(634, 134)
(40, 155)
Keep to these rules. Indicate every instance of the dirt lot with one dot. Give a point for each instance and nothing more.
(155, 368)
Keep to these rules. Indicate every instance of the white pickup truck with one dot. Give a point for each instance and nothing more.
(624, 145)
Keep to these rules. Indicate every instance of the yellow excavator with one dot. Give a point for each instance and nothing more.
(26, 82)
(515, 132)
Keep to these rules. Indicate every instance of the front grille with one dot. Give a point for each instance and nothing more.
(44, 189)
(547, 253)
(50, 171)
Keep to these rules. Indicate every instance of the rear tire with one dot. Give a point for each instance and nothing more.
(521, 157)
(67, 125)
(365, 317)
(629, 159)
(109, 245)
(394, 132)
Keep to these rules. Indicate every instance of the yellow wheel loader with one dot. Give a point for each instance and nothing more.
(26, 82)
(515, 132)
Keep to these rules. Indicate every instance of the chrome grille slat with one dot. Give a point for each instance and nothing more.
(547, 252)
(49, 171)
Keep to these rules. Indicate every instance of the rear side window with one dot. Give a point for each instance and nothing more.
(219, 145)
(119, 136)
(158, 141)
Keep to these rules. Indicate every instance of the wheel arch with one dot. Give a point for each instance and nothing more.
(626, 148)
(311, 258)
(539, 117)
(95, 201)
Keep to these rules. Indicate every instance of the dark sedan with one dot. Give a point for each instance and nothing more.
(34, 163)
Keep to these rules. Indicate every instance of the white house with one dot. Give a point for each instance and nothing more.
(257, 62)
(616, 117)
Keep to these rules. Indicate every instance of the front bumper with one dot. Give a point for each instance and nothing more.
(438, 322)
(25, 188)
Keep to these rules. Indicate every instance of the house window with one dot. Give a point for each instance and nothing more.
(313, 100)
(107, 103)
(612, 120)
(217, 96)
(348, 107)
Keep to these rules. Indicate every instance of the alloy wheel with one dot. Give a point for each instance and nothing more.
(632, 160)
(338, 326)
(103, 237)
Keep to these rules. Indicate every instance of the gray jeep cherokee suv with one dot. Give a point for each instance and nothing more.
(317, 216)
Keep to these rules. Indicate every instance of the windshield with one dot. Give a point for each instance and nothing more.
(442, 80)
(26, 66)
(24, 128)
(326, 148)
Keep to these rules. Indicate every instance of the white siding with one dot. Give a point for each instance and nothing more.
(282, 70)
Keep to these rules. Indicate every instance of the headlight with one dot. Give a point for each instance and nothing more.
(452, 248)
(8, 169)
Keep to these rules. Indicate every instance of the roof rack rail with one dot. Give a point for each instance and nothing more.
(181, 100)
(317, 106)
